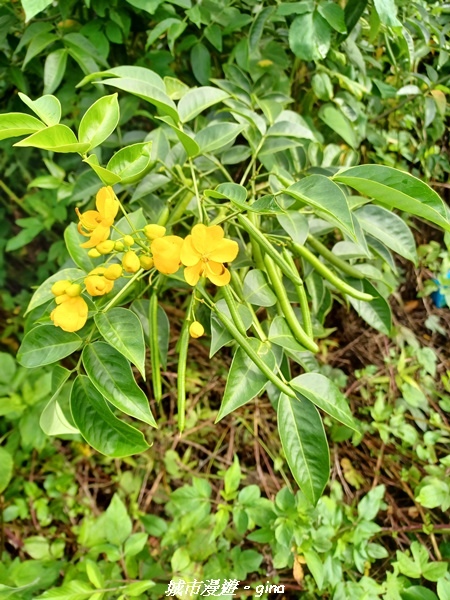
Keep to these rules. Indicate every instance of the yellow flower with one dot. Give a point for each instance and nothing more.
(113, 272)
(71, 314)
(130, 262)
(59, 287)
(96, 224)
(97, 284)
(152, 232)
(204, 252)
(196, 329)
(166, 253)
(73, 290)
(105, 247)
(128, 240)
(147, 262)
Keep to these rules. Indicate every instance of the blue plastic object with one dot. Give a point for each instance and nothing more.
(438, 297)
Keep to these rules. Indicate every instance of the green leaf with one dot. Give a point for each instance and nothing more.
(15, 124)
(132, 162)
(97, 424)
(106, 177)
(6, 469)
(189, 144)
(443, 589)
(44, 294)
(130, 72)
(334, 15)
(54, 69)
(47, 108)
(256, 289)
(58, 138)
(201, 63)
(396, 189)
(74, 590)
(257, 28)
(46, 344)
(38, 43)
(434, 495)
(53, 420)
(295, 224)
(309, 36)
(352, 12)
(146, 91)
(123, 331)
(281, 335)
(304, 444)
(229, 191)
(135, 543)
(377, 312)
(198, 100)
(99, 121)
(387, 11)
(339, 123)
(33, 7)
(111, 374)
(322, 392)
(217, 135)
(418, 592)
(389, 228)
(118, 524)
(327, 198)
(245, 381)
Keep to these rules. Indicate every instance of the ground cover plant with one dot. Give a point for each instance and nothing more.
(201, 199)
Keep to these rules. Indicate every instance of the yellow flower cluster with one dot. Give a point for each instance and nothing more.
(202, 254)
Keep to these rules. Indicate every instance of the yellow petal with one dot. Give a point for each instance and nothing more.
(206, 239)
(189, 255)
(98, 285)
(89, 219)
(71, 315)
(225, 251)
(193, 274)
(107, 203)
(100, 234)
(217, 273)
(166, 253)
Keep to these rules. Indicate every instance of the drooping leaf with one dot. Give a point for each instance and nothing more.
(58, 138)
(15, 124)
(97, 424)
(123, 331)
(377, 312)
(305, 444)
(47, 108)
(46, 344)
(257, 290)
(111, 374)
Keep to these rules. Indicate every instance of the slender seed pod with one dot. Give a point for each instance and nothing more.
(236, 317)
(154, 346)
(302, 298)
(288, 312)
(342, 286)
(268, 248)
(183, 346)
(340, 264)
(247, 348)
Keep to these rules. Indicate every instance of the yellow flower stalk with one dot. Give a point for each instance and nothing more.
(96, 224)
(70, 314)
(97, 284)
(166, 253)
(196, 329)
(204, 252)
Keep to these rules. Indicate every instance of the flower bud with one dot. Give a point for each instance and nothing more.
(196, 329)
(74, 290)
(113, 272)
(94, 253)
(128, 240)
(98, 285)
(146, 262)
(130, 262)
(105, 247)
(60, 287)
(119, 246)
(154, 231)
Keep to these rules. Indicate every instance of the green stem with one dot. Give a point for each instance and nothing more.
(251, 353)
(122, 291)
(154, 346)
(227, 294)
(255, 322)
(286, 308)
(345, 288)
(252, 161)
(180, 208)
(340, 264)
(302, 299)
(268, 248)
(197, 195)
(183, 347)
